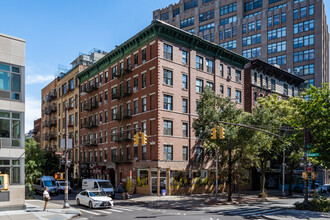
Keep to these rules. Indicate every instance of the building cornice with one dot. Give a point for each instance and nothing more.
(160, 29)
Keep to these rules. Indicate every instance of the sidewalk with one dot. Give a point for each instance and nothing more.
(293, 214)
(34, 211)
(190, 202)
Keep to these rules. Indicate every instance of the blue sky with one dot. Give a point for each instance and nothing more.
(57, 31)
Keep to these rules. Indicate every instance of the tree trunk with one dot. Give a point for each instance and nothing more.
(263, 175)
(230, 167)
(291, 179)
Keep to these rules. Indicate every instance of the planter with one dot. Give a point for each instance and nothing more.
(142, 190)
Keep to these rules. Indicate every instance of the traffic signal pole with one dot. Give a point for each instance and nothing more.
(216, 172)
(66, 191)
(305, 163)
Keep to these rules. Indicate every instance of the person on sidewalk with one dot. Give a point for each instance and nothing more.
(46, 197)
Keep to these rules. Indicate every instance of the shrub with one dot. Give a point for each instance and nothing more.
(317, 204)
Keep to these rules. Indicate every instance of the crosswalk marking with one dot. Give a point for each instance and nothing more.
(260, 212)
(106, 212)
(120, 208)
(239, 211)
(112, 209)
(93, 213)
(269, 213)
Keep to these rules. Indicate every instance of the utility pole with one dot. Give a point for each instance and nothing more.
(283, 178)
(305, 163)
(66, 191)
(216, 172)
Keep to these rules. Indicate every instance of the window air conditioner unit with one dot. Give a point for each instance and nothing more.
(228, 78)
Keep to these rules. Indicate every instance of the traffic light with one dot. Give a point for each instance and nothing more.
(222, 132)
(136, 138)
(143, 138)
(4, 182)
(314, 175)
(214, 133)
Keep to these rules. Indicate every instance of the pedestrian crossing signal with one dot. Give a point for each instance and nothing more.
(4, 182)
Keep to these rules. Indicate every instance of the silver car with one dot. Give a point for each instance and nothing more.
(94, 199)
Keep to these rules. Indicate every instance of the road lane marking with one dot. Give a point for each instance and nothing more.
(120, 208)
(106, 212)
(112, 209)
(263, 211)
(93, 213)
(269, 213)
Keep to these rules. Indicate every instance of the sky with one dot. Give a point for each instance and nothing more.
(57, 31)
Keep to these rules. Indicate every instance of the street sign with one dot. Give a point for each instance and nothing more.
(58, 153)
(313, 154)
(310, 164)
(309, 169)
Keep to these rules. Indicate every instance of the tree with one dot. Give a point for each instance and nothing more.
(34, 159)
(270, 114)
(234, 148)
(313, 110)
(51, 165)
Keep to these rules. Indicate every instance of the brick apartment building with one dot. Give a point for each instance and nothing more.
(152, 83)
(282, 32)
(37, 130)
(61, 92)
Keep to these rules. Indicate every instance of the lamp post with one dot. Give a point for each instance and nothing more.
(66, 191)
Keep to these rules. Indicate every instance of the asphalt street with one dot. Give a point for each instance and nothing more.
(127, 210)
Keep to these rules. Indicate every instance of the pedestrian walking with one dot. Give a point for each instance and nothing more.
(46, 197)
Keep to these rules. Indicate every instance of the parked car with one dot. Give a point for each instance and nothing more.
(46, 181)
(61, 186)
(101, 185)
(323, 189)
(94, 199)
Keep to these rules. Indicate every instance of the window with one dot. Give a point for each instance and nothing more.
(10, 82)
(136, 60)
(184, 57)
(114, 72)
(303, 12)
(229, 92)
(251, 26)
(303, 26)
(144, 80)
(252, 5)
(303, 56)
(164, 16)
(221, 70)
(190, 4)
(185, 105)
(276, 19)
(176, 11)
(168, 102)
(144, 57)
(168, 52)
(209, 66)
(187, 22)
(199, 62)
(168, 127)
(270, 21)
(106, 77)
(168, 152)
(106, 116)
(184, 81)
(276, 47)
(168, 77)
(311, 9)
(12, 168)
(114, 112)
(184, 129)
(238, 96)
(228, 9)
(285, 89)
(221, 89)
(210, 84)
(283, 17)
(280, 60)
(136, 84)
(199, 85)
(303, 41)
(228, 71)
(273, 84)
(278, 33)
(255, 97)
(136, 106)
(250, 40)
(254, 52)
(295, 14)
(304, 70)
(238, 76)
(144, 104)
(229, 45)
(184, 153)
(227, 33)
(206, 16)
(10, 127)
(144, 152)
(228, 20)
(206, 27)
(309, 83)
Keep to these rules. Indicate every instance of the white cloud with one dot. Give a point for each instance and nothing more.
(32, 112)
(33, 79)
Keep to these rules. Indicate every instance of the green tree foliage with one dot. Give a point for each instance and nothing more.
(313, 109)
(51, 164)
(270, 114)
(234, 151)
(34, 159)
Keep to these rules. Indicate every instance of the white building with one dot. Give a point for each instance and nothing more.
(12, 108)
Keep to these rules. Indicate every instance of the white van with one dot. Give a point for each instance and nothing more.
(102, 185)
